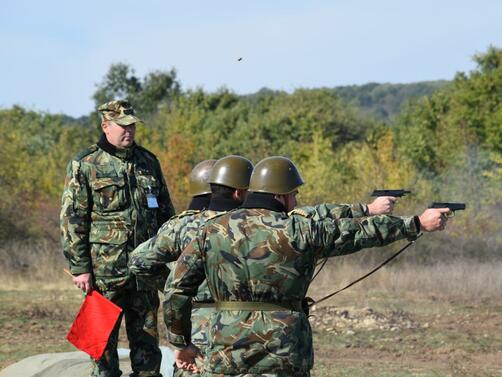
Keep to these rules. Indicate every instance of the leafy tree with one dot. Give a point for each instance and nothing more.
(146, 95)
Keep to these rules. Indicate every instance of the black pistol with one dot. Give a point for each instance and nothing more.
(451, 206)
(396, 193)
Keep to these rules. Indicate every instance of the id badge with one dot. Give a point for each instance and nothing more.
(151, 201)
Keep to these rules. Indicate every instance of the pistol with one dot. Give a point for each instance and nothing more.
(451, 206)
(396, 193)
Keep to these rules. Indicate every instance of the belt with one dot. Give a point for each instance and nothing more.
(200, 305)
(259, 306)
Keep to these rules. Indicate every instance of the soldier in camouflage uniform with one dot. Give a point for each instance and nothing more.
(259, 261)
(227, 181)
(151, 260)
(114, 198)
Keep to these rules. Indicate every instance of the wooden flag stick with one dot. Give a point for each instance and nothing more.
(68, 272)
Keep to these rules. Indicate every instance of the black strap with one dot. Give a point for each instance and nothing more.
(319, 270)
(368, 274)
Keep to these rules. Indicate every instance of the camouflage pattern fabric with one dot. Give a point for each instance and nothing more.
(264, 256)
(140, 312)
(119, 111)
(149, 260)
(105, 213)
(108, 208)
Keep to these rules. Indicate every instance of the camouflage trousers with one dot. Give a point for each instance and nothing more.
(200, 324)
(140, 312)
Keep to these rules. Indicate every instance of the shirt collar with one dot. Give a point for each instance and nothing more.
(124, 154)
(223, 204)
(263, 200)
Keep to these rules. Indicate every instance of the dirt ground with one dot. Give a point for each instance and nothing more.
(358, 334)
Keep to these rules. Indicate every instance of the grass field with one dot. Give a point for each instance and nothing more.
(405, 320)
(363, 332)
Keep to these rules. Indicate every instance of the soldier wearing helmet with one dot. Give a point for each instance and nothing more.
(259, 261)
(216, 187)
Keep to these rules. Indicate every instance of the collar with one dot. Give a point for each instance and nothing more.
(200, 202)
(223, 204)
(263, 200)
(124, 154)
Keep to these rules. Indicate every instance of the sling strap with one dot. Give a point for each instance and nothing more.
(368, 274)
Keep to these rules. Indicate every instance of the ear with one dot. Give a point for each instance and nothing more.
(236, 195)
(104, 125)
(239, 195)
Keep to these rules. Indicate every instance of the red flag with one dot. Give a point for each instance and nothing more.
(93, 325)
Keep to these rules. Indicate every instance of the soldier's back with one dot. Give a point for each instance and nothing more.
(259, 264)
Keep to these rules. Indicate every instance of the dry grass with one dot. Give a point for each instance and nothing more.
(460, 279)
(24, 265)
(405, 320)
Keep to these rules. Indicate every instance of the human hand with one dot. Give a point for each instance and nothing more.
(382, 205)
(185, 358)
(83, 282)
(433, 219)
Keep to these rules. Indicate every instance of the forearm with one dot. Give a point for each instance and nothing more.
(177, 309)
(75, 242)
(333, 211)
(180, 289)
(374, 231)
(341, 211)
(149, 265)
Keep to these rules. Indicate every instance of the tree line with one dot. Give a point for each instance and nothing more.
(442, 140)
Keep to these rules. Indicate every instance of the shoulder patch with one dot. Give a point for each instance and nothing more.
(299, 211)
(187, 212)
(216, 215)
(87, 151)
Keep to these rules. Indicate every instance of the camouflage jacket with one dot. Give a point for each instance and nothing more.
(151, 261)
(105, 212)
(263, 255)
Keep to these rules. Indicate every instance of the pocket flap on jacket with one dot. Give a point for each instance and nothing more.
(101, 183)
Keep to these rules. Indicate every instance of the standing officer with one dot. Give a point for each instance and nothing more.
(227, 180)
(114, 198)
(259, 261)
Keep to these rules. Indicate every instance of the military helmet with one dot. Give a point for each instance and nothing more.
(275, 175)
(199, 177)
(232, 171)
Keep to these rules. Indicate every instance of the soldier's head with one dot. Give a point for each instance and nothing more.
(230, 177)
(278, 177)
(118, 123)
(199, 188)
(199, 178)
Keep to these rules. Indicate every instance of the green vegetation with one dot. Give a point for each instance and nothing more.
(446, 146)
(385, 101)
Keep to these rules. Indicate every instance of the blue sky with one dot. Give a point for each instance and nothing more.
(53, 53)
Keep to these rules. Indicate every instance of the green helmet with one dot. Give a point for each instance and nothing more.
(275, 175)
(199, 177)
(232, 171)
